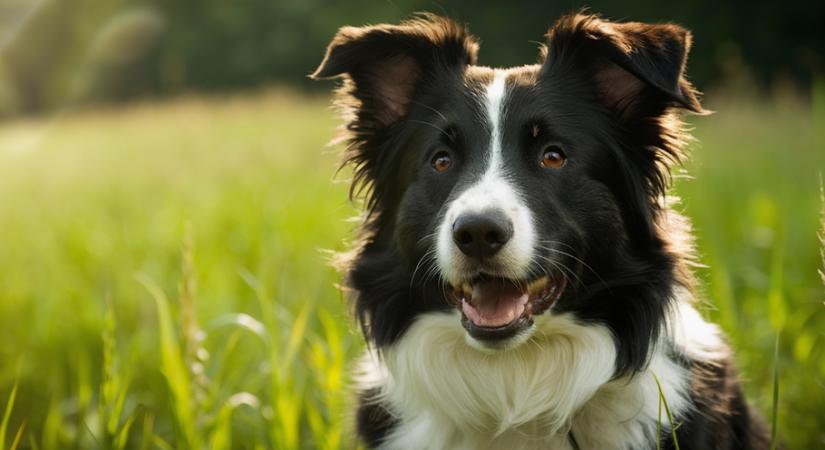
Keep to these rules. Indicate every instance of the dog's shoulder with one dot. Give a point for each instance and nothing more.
(721, 418)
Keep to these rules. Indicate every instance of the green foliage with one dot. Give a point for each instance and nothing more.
(753, 198)
(61, 52)
(124, 338)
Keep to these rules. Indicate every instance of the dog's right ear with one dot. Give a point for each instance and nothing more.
(385, 63)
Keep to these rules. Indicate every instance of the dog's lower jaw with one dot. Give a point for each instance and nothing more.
(446, 394)
(504, 345)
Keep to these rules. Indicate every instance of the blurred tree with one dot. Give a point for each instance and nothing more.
(68, 51)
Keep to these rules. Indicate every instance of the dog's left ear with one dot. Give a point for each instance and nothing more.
(638, 69)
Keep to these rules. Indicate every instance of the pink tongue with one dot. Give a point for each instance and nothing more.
(495, 303)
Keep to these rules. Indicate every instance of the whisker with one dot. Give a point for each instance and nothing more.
(565, 271)
(417, 266)
(426, 237)
(569, 255)
(424, 122)
(431, 109)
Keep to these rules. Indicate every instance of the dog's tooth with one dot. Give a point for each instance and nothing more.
(467, 289)
(537, 286)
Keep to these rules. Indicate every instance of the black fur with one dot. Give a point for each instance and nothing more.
(722, 420)
(609, 94)
(373, 420)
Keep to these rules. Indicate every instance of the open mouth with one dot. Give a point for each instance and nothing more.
(495, 308)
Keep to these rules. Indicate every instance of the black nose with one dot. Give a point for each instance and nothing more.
(481, 235)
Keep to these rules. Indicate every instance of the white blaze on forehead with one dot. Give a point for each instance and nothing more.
(492, 191)
(496, 92)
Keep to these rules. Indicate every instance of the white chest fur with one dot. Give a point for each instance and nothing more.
(449, 395)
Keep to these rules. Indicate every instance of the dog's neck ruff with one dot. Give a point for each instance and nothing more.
(554, 391)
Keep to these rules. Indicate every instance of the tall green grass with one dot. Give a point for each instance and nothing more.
(4, 423)
(822, 229)
(163, 277)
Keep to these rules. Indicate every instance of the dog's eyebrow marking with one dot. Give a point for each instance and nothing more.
(495, 98)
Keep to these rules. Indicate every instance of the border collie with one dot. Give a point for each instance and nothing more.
(521, 277)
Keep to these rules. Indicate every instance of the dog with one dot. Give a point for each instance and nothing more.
(521, 277)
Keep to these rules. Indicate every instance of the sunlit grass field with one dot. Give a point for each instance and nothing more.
(164, 279)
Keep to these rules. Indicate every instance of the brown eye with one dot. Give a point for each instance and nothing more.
(441, 161)
(552, 157)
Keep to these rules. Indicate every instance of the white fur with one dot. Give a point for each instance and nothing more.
(492, 191)
(624, 414)
(449, 395)
(692, 335)
(495, 100)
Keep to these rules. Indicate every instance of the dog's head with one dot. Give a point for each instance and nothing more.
(513, 193)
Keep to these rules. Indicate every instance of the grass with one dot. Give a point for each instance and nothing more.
(822, 230)
(4, 424)
(775, 403)
(163, 280)
(672, 426)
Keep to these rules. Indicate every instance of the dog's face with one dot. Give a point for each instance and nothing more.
(507, 182)
(510, 194)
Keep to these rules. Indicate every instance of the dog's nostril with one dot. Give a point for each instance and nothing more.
(463, 238)
(481, 235)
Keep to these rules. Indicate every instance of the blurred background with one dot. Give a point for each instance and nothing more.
(168, 206)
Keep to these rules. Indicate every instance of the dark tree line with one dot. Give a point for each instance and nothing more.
(63, 52)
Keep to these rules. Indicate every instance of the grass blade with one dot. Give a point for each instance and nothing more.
(114, 387)
(774, 408)
(160, 443)
(122, 437)
(17, 437)
(172, 365)
(4, 425)
(148, 431)
(52, 427)
(241, 321)
(659, 426)
(822, 229)
(33, 442)
(663, 401)
(296, 335)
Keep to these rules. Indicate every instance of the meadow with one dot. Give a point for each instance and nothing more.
(164, 279)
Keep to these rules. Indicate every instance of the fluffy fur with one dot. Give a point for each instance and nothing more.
(579, 368)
